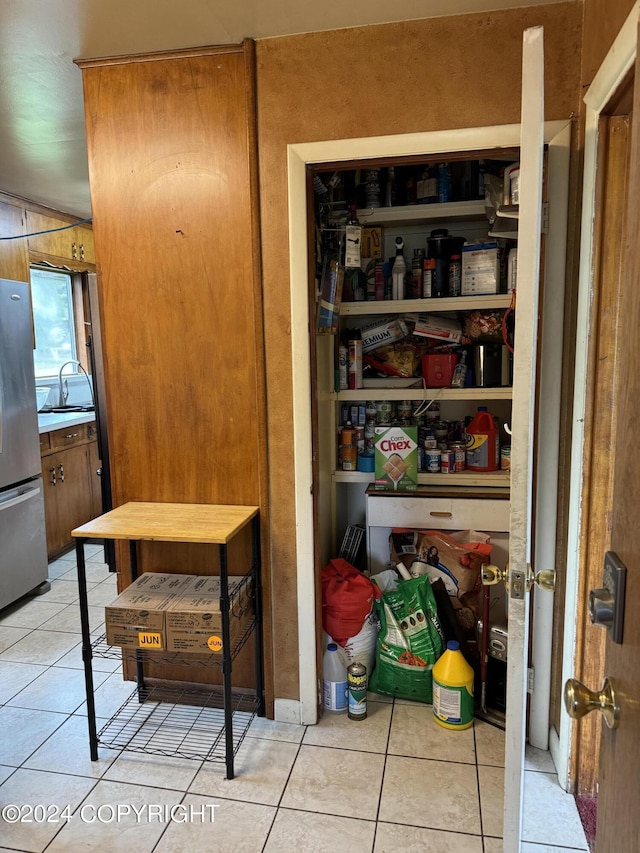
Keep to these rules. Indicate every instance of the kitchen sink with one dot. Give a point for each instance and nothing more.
(55, 410)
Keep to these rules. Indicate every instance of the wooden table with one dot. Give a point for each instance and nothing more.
(213, 524)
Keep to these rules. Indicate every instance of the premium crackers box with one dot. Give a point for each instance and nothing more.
(396, 458)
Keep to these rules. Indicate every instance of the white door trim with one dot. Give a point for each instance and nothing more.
(611, 73)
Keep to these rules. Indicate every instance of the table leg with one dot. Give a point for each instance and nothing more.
(257, 593)
(226, 661)
(133, 556)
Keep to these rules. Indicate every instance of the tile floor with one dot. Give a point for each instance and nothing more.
(396, 782)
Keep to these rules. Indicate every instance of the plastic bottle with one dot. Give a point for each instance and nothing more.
(460, 372)
(334, 681)
(483, 442)
(399, 271)
(453, 689)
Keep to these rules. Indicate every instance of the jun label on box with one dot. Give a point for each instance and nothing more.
(396, 458)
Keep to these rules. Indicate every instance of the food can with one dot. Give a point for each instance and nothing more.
(349, 441)
(360, 440)
(505, 457)
(460, 450)
(432, 456)
(384, 412)
(448, 462)
(404, 409)
(355, 364)
(369, 436)
(433, 413)
(357, 689)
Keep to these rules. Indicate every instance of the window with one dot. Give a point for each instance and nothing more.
(53, 318)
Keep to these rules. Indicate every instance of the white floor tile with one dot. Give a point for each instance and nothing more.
(174, 774)
(14, 677)
(91, 828)
(62, 592)
(241, 827)
(5, 772)
(73, 660)
(9, 636)
(29, 729)
(416, 734)
(67, 751)
(489, 744)
(53, 791)
(397, 838)
(550, 814)
(543, 848)
(56, 690)
(262, 768)
(272, 730)
(368, 735)
(538, 759)
(491, 799)
(94, 572)
(433, 794)
(111, 694)
(68, 619)
(102, 594)
(29, 614)
(326, 780)
(293, 831)
(495, 845)
(41, 647)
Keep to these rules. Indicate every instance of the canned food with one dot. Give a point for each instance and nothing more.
(505, 457)
(433, 413)
(448, 462)
(433, 459)
(404, 409)
(384, 412)
(349, 443)
(460, 450)
(369, 436)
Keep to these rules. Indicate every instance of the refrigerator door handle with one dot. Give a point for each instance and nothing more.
(27, 495)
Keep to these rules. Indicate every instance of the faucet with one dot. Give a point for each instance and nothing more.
(64, 391)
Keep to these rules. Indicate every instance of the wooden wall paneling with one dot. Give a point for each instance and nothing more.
(602, 20)
(171, 145)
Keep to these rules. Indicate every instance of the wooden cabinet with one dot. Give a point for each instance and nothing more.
(14, 259)
(71, 496)
(72, 244)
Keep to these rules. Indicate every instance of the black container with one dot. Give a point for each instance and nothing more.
(440, 246)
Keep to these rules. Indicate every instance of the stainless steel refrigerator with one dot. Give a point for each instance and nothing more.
(23, 545)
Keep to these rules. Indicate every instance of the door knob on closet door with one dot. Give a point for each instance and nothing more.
(544, 579)
(579, 700)
(492, 575)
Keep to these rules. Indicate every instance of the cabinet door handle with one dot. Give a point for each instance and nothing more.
(82, 251)
(52, 476)
(441, 514)
(74, 251)
(61, 469)
(72, 435)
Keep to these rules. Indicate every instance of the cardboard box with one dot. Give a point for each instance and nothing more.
(194, 622)
(136, 619)
(438, 328)
(480, 268)
(396, 458)
(371, 243)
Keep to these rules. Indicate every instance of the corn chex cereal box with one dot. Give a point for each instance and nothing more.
(396, 458)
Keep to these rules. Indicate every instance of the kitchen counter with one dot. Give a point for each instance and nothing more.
(47, 422)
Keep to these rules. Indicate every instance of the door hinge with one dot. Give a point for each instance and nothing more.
(544, 225)
(530, 679)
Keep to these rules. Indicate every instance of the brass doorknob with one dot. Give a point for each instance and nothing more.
(492, 575)
(579, 700)
(545, 579)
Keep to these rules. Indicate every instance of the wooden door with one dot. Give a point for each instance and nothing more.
(14, 260)
(618, 827)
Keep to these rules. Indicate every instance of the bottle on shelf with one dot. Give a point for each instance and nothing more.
(483, 442)
(334, 681)
(390, 188)
(460, 372)
(399, 271)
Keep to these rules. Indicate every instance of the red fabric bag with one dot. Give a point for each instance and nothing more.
(347, 599)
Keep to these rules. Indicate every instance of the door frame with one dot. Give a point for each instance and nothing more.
(611, 74)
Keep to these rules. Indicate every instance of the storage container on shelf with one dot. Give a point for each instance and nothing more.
(483, 442)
